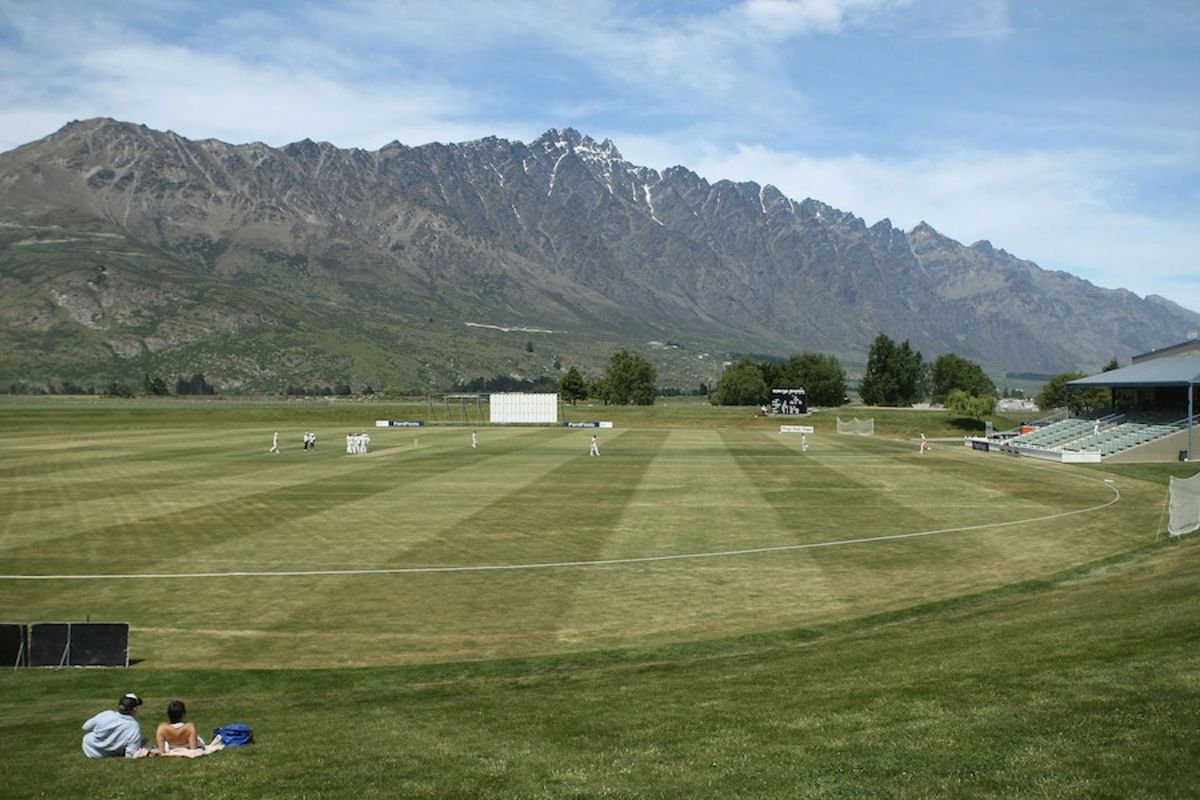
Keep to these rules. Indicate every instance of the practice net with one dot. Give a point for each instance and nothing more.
(1185, 505)
(859, 427)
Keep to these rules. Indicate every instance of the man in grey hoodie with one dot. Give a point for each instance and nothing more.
(114, 733)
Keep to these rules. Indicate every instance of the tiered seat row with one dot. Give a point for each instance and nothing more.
(1124, 436)
(1056, 433)
(1106, 435)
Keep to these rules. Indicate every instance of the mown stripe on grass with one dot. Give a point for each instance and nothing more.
(144, 476)
(796, 486)
(695, 499)
(169, 537)
(24, 459)
(566, 513)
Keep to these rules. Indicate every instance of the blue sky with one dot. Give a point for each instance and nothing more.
(1066, 132)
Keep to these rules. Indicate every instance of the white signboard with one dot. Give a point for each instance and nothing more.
(795, 428)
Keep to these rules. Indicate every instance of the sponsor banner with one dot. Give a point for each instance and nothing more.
(399, 423)
(574, 424)
(795, 428)
(606, 424)
(978, 444)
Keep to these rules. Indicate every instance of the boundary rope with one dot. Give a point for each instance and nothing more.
(604, 562)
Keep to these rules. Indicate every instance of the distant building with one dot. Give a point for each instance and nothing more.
(1008, 404)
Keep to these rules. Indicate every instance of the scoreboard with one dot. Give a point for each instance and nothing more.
(789, 401)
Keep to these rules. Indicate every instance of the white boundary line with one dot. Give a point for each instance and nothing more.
(565, 564)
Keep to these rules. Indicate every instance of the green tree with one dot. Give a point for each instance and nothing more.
(741, 384)
(952, 372)
(630, 380)
(572, 386)
(599, 388)
(822, 377)
(965, 404)
(1055, 394)
(896, 374)
(117, 389)
(197, 384)
(155, 386)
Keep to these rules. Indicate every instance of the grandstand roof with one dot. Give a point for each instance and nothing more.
(1189, 348)
(1168, 371)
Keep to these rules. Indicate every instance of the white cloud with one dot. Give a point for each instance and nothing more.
(360, 74)
(276, 102)
(239, 92)
(783, 18)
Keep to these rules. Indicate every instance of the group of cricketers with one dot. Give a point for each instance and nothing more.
(357, 443)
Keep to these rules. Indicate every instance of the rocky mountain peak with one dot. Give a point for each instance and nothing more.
(561, 234)
(569, 139)
(925, 236)
(303, 149)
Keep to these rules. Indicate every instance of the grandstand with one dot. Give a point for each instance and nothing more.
(1105, 436)
(1153, 414)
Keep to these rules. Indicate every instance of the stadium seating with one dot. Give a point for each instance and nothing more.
(1107, 435)
(1115, 438)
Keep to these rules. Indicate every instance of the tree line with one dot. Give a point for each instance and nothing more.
(151, 385)
(895, 375)
(337, 390)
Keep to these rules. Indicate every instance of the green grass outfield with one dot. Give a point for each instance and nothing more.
(703, 611)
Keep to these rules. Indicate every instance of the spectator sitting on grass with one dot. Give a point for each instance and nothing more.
(115, 733)
(178, 738)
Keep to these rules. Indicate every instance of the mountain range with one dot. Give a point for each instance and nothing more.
(127, 251)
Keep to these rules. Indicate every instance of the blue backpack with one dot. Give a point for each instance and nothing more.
(235, 734)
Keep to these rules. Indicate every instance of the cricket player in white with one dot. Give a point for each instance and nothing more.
(595, 451)
(274, 443)
(474, 440)
(803, 443)
(924, 445)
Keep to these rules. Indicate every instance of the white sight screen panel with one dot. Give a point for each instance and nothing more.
(523, 407)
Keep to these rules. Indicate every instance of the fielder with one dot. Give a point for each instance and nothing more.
(275, 444)
(595, 451)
